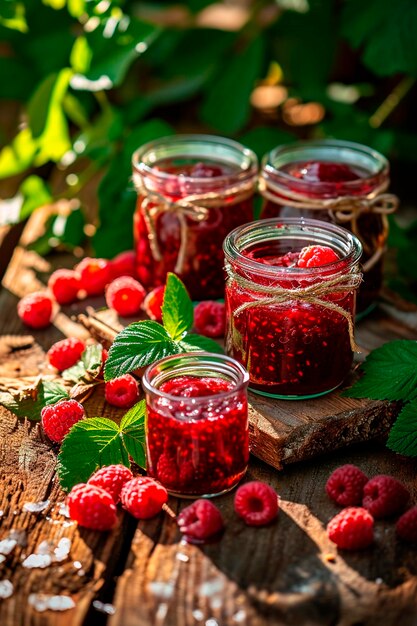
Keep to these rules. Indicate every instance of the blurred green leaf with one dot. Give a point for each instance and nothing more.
(19, 155)
(35, 193)
(12, 15)
(61, 230)
(16, 78)
(264, 138)
(81, 55)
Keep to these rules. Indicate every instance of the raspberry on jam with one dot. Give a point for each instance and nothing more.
(323, 172)
(315, 256)
(206, 170)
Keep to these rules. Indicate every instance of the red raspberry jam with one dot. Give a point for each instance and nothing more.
(327, 171)
(292, 346)
(214, 180)
(197, 425)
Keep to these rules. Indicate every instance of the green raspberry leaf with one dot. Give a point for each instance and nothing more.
(132, 429)
(177, 308)
(88, 367)
(390, 373)
(403, 435)
(197, 343)
(138, 345)
(30, 402)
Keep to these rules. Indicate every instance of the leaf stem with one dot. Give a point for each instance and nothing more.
(391, 101)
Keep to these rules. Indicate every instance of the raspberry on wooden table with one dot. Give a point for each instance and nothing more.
(35, 310)
(122, 392)
(92, 507)
(406, 526)
(94, 274)
(345, 485)
(256, 503)
(65, 285)
(199, 521)
(125, 295)
(58, 419)
(352, 529)
(210, 318)
(65, 353)
(152, 305)
(315, 256)
(143, 497)
(111, 479)
(124, 264)
(384, 496)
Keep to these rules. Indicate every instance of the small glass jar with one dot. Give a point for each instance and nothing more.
(192, 191)
(197, 423)
(291, 327)
(339, 182)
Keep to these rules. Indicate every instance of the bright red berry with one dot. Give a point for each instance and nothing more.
(351, 529)
(122, 392)
(124, 264)
(406, 526)
(210, 318)
(152, 305)
(65, 353)
(65, 285)
(256, 503)
(345, 485)
(199, 521)
(315, 256)
(92, 507)
(35, 310)
(384, 496)
(325, 172)
(111, 479)
(94, 274)
(125, 295)
(58, 419)
(143, 497)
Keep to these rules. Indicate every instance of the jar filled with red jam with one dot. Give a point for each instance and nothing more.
(192, 191)
(290, 304)
(197, 423)
(339, 182)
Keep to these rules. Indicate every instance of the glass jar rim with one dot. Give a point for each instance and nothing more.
(228, 361)
(244, 173)
(275, 225)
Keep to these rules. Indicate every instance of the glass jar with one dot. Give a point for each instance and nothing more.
(338, 182)
(192, 191)
(197, 423)
(291, 327)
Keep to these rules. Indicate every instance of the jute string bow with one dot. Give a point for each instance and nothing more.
(194, 207)
(313, 294)
(344, 209)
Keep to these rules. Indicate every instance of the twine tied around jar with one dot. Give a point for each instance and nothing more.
(344, 209)
(313, 294)
(194, 207)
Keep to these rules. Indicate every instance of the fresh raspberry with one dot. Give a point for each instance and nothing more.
(95, 275)
(351, 529)
(92, 507)
(384, 496)
(200, 520)
(122, 392)
(206, 170)
(406, 526)
(124, 264)
(125, 295)
(210, 318)
(65, 353)
(111, 479)
(143, 497)
(315, 256)
(256, 503)
(345, 485)
(65, 285)
(152, 305)
(58, 419)
(35, 310)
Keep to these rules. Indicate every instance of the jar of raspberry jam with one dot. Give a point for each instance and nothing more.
(290, 304)
(339, 182)
(192, 191)
(197, 423)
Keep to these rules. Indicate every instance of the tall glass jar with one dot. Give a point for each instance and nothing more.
(197, 423)
(192, 191)
(339, 182)
(290, 326)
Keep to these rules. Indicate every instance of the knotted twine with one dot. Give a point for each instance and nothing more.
(344, 209)
(313, 294)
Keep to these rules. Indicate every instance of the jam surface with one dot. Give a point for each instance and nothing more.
(197, 447)
(202, 271)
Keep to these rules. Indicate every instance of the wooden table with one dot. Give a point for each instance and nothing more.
(142, 574)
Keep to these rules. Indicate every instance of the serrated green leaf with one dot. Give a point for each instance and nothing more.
(50, 392)
(403, 435)
(196, 343)
(390, 373)
(177, 308)
(31, 404)
(136, 346)
(132, 428)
